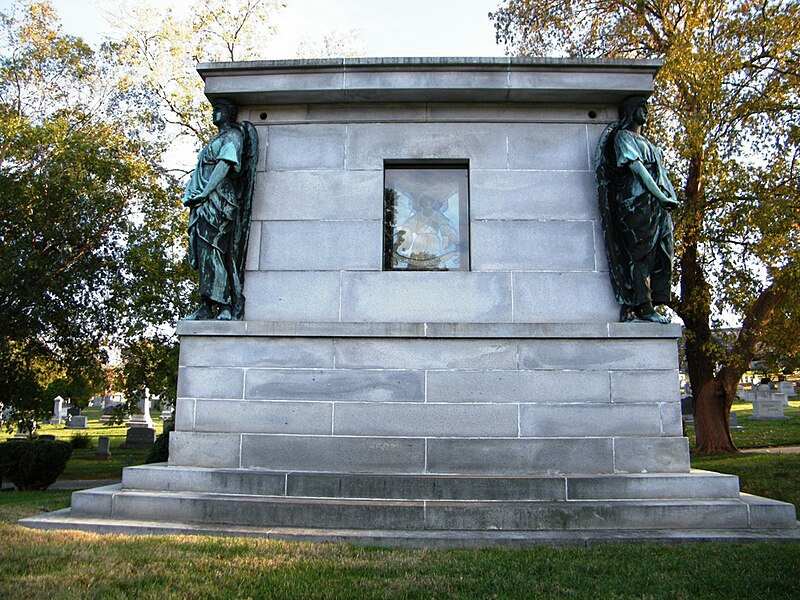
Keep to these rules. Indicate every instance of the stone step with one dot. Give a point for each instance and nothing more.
(473, 515)
(697, 484)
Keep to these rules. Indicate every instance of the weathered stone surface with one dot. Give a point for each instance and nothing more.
(530, 146)
(651, 455)
(425, 354)
(561, 420)
(426, 296)
(521, 457)
(598, 354)
(561, 246)
(189, 449)
(518, 386)
(483, 144)
(292, 296)
(257, 352)
(305, 147)
(210, 382)
(559, 195)
(321, 245)
(426, 420)
(339, 454)
(582, 297)
(340, 384)
(645, 386)
(309, 195)
(264, 417)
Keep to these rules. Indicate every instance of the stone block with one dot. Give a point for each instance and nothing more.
(96, 502)
(563, 297)
(660, 485)
(256, 416)
(253, 246)
(339, 384)
(335, 453)
(187, 449)
(484, 144)
(420, 296)
(210, 382)
(321, 245)
(651, 455)
(645, 386)
(521, 456)
(447, 83)
(77, 422)
(532, 245)
(139, 437)
(336, 485)
(426, 420)
(617, 354)
(560, 420)
(769, 514)
(671, 418)
(315, 146)
(198, 479)
(308, 195)
(517, 386)
(257, 352)
(371, 113)
(184, 415)
(588, 515)
(559, 195)
(425, 354)
(292, 296)
(531, 146)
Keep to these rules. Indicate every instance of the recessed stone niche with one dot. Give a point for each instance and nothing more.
(430, 344)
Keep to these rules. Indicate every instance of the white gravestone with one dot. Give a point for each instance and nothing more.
(143, 419)
(58, 402)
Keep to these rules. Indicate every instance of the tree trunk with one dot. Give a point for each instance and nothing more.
(712, 408)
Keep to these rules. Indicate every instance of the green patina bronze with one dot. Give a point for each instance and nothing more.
(636, 197)
(220, 196)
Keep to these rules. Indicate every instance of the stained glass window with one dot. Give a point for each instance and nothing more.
(426, 216)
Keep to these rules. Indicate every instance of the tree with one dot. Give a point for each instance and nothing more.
(78, 180)
(726, 102)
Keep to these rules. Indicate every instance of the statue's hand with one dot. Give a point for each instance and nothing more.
(195, 200)
(669, 203)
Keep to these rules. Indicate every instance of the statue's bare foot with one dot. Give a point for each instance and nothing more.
(201, 314)
(225, 314)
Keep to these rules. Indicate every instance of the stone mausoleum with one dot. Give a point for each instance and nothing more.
(430, 352)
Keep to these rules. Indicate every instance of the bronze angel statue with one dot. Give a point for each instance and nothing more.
(220, 196)
(636, 198)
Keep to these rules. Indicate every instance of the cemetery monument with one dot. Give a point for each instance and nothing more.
(431, 352)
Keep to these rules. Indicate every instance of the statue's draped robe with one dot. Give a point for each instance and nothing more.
(211, 223)
(640, 229)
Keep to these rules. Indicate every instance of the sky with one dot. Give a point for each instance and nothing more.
(382, 27)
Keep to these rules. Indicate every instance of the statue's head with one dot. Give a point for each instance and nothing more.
(225, 110)
(628, 109)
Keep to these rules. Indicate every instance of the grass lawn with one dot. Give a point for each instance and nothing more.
(760, 434)
(82, 464)
(40, 564)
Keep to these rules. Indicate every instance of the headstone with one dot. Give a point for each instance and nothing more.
(167, 413)
(143, 419)
(74, 411)
(769, 407)
(139, 437)
(48, 437)
(57, 405)
(733, 422)
(77, 422)
(103, 448)
(786, 387)
(109, 415)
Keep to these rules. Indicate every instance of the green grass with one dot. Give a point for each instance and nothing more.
(83, 465)
(40, 564)
(775, 476)
(762, 434)
(64, 564)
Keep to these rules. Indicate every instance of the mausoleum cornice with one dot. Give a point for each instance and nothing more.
(370, 80)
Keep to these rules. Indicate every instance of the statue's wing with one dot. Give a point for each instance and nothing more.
(607, 176)
(241, 232)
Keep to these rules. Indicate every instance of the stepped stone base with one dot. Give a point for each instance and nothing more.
(429, 510)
